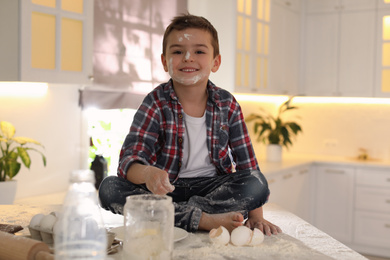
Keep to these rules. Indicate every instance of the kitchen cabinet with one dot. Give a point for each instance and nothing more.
(334, 201)
(46, 41)
(339, 48)
(382, 77)
(285, 47)
(291, 189)
(372, 215)
(383, 4)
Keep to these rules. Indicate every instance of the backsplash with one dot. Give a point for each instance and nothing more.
(337, 129)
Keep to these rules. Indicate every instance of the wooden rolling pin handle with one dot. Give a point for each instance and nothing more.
(43, 255)
(21, 248)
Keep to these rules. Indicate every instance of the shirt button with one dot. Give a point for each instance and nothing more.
(223, 128)
(179, 164)
(180, 116)
(180, 140)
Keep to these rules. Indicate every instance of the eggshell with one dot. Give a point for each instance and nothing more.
(257, 237)
(241, 236)
(47, 223)
(34, 226)
(36, 220)
(219, 235)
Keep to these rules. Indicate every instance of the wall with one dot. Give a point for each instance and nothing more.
(337, 129)
(55, 121)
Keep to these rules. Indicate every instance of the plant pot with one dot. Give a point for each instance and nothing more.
(274, 153)
(7, 192)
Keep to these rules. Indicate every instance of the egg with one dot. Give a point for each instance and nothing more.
(35, 225)
(241, 236)
(257, 237)
(36, 220)
(47, 223)
(219, 235)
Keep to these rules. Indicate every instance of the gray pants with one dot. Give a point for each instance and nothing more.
(241, 191)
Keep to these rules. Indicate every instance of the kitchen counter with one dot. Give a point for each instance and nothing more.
(297, 160)
(299, 239)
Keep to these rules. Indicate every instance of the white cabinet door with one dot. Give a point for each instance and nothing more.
(373, 229)
(321, 54)
(334, 201)
(339, 48)
(382, 76)
(291, 190)
(284, 48)
(54, 40)
(357, 49)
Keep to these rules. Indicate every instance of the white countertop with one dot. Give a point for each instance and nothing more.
(299, 239)
(291, 161)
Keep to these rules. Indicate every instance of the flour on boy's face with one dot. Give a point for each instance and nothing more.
(189, 57)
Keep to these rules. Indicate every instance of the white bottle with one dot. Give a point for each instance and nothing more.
(79, 232)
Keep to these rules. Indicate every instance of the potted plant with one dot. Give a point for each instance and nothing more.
(275, 131)
(13, 153)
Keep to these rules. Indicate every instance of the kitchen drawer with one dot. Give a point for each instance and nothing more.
(376, 199)
(371, 177)
(372, 229)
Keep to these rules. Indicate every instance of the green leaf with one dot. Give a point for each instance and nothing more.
(24, 156)
(25, 140)
(11, 168)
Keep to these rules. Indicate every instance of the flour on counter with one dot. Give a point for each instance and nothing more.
(281, 246)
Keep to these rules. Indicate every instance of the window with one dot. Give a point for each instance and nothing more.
(107, 130)
(252, 45)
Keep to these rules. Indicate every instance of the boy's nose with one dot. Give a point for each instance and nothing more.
(188, 57)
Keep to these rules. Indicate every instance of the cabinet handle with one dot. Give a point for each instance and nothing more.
(303, 171)
(388, 179)
(387, 225)
(388, 201)
(287, 176)
(334, 171)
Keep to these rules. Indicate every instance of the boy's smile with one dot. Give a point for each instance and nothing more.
(189, 57)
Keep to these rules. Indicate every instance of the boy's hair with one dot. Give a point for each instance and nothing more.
(186, 21)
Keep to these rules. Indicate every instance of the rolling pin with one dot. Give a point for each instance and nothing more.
(22, 248)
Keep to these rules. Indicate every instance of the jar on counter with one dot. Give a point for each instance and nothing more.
(149, 227)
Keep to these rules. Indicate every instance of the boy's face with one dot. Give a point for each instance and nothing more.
(189, 57)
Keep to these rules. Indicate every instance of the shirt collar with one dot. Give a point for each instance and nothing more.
(211, 88)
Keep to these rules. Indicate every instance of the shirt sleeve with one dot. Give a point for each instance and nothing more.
(139, 145)
(240, 142)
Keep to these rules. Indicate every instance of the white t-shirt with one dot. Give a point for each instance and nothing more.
(196, 160)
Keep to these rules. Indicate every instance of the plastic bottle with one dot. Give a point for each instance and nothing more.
(79, 232)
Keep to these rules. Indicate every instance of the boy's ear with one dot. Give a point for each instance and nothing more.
(164, 62)
(216, 63)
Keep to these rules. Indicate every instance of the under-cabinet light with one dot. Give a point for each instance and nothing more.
(315, 100)
(23, 89)
(341, 100)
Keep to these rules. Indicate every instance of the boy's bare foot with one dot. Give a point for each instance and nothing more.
(229, 220)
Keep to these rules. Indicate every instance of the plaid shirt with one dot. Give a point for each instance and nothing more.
(158, 130)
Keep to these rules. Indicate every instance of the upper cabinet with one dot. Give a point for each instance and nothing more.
(382, 83)
(285, 47)
(46, 41)
(339, 46)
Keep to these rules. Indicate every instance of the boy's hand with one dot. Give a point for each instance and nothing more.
(157, 181)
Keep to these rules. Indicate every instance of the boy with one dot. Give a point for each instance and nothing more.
(184, 137)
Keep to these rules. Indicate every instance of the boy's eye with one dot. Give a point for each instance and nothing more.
(199, 52)
(177, 52)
